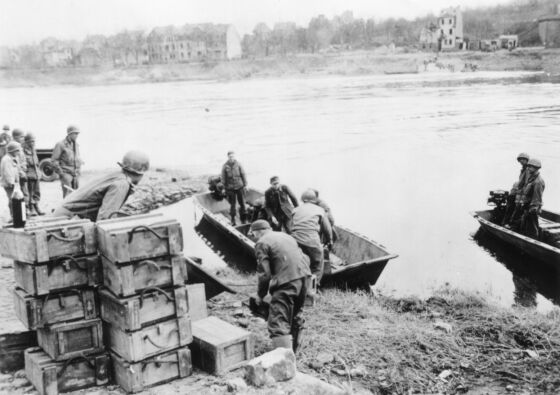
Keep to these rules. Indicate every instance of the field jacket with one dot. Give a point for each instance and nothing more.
(533, 192)
(9, 171)
(309, 222)
(66, 157)
(32, 162)
(277, 201)
(233, 176)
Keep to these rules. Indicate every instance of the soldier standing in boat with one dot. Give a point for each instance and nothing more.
(279, 204)
(235, 182)
(102, 197)
(532, 200)
(67, 161)
(33, 175)
(19, 137)
(284, 272)
(514, 208)
(5, 138)
(309, 223)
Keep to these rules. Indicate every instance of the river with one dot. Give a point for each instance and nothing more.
(402, 159)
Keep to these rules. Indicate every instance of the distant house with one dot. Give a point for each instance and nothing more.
(89, 57)
(190, 43)
(509, 41)
(55, 53)
(450, 24)
(429, 37)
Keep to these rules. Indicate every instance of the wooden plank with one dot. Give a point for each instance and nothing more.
(197, 274)
(150, 340)
(139, 237)
(50, 377)
(138, 376)
(152, 305)
(68, 340)
(59, 274)
(197, 301)
(36, 312)
(219, 346)
(127, 280)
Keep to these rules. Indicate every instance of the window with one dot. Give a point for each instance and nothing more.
(450, 31)
(442, 21)
(450, 21)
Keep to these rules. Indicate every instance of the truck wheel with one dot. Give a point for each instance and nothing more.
(46, 169)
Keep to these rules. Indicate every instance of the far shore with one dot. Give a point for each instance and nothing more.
(351, 63)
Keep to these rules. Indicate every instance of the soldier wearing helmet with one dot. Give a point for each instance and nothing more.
(33, 175)
(67, 161)
(309, 223)
(9, 172)
(5, 138)
(235, 182)
(532, 199)
(104, 196)
(514, 209)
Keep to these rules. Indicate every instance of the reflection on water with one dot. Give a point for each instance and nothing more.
(529, 275)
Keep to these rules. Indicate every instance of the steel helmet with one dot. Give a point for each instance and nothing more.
(72, 129)
(308, 196)
(523, 155)
(534, 162)
(29, 137)
(13, 146)
(135, 162)
(17, 133)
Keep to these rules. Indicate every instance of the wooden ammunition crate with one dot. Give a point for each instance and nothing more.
(50, 377)
(12, 347)
(138, 237)
(69, 305)
(131, 278)
(219, 346)
(71, 339)
(47, 240)
(151, 340)
(62, 273)
(137, 376)
(150, 306)
(197, 301)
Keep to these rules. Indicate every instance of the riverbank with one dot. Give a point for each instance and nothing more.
(380, 61)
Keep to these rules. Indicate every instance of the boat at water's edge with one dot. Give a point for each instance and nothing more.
(355, 261)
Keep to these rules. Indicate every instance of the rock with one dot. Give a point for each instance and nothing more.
(243, 322)
(324, 358)
(237, 384)
(340, 372)
(445, 374)
(20, 374)
(237, 304)
(358, 371)
(306, 384)
(21, 382)
(276, 365)
(5, 377)
(238, 313)
(532, 354)
(315, 365)
(509, 387)
(443, 326)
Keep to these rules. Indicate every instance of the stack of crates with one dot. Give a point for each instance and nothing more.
(56, 271)
(144, 301)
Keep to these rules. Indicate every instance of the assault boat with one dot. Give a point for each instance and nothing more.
(355, 260)
(546, 250)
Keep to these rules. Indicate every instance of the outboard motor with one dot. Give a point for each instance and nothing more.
(216, 187)
(498, 198)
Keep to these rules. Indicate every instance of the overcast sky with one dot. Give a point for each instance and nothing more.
(27, 21)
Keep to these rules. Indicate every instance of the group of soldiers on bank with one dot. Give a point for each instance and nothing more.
(525, 198)
(291, 238)
(99, 199)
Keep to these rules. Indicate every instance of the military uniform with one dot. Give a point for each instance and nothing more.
(532, 204)
(283, 271)
(33, 176)
(277, 204)
(515, 218)
(9, 176)
(309, 223)
(67, 163)
(98, 199)
(233, 177)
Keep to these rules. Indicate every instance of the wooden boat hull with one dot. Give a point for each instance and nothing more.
(364, 260)
(536, 249)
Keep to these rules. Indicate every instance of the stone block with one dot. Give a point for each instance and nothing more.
(274, 366)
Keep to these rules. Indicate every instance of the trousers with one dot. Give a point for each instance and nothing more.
(316, 259)
(68, 181)
(239, 196)
(285, 316)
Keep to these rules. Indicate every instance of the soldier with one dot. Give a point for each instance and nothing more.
(67, 162)
(9, 172)
(514, 208)
(33, 175)
(283, 271)
(321, 203)
(532, 200)
(235, 182)
(309, 223)
(5, 138)
(19, 137)
(279, 204)
(104, 196)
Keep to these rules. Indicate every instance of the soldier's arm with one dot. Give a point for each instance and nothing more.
(224, 181)
(291, 195)
(263, 269)
(55, 158)
(326, 228)
(113, 200)
(536, 201)
(243, 178)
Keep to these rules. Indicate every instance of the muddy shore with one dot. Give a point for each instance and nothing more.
(362, 62)
(451, 342)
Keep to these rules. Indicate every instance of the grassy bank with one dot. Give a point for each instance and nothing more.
(343, 63)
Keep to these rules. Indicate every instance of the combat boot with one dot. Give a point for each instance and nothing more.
(37, 209)
(282, 341)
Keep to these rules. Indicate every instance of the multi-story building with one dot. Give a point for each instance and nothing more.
(450, 24)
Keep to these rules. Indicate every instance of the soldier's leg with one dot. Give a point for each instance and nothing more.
(242, 209)
(316, 259)
(280, 315)
(298, 321)
(9, 192)
(65, 183)
(232, 209)
(25, 191)
(531, 226)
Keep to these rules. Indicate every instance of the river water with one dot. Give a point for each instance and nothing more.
(400, 159)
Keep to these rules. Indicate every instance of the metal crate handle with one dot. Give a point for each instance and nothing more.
(151, 264)
(156, 362)
(158, 290)
(149, 339)
(144, 227)
(69, 361)
(66, 239)
(64, 261)
(121, 213)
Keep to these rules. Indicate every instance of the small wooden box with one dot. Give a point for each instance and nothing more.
(71, 339)
(50, 377)
(129, 279)
(137, 376)
(70, 305)
(62, 273)
(47, 240)
(197, 301)
(150, 306)
(138, 237)
(219, 346)
(151, 340)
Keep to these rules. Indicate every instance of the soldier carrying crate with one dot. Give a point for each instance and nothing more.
(100, 198)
